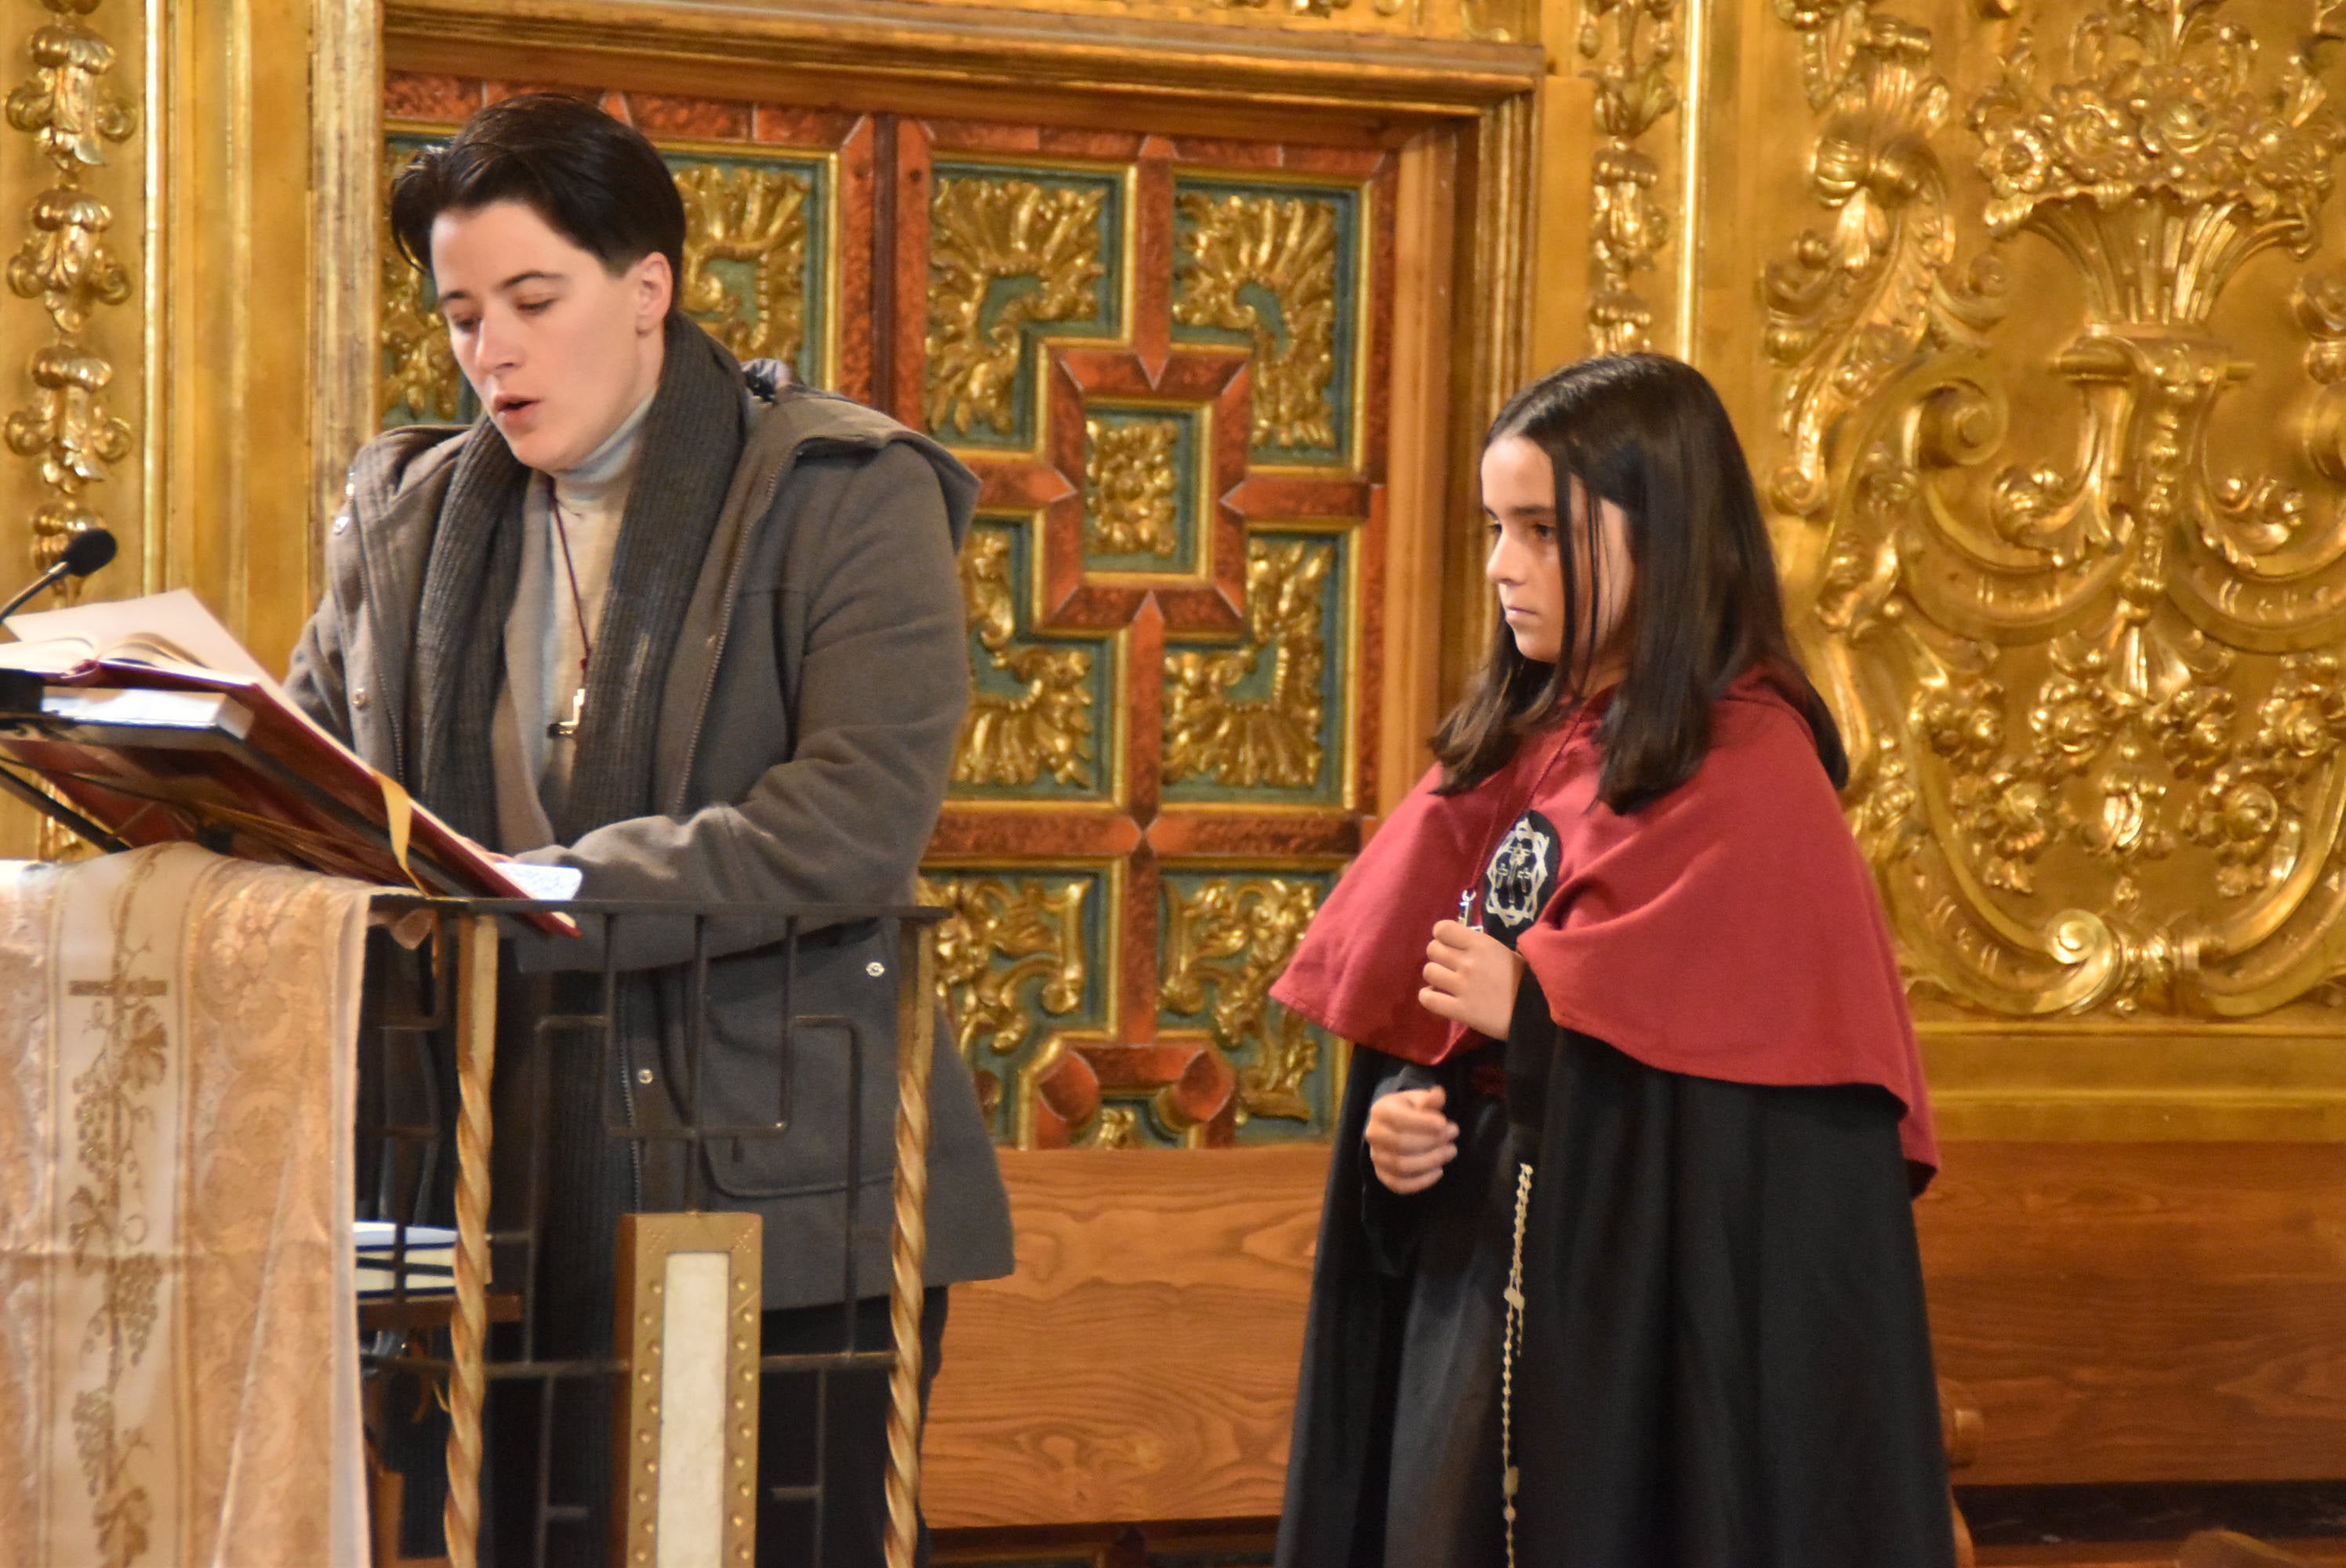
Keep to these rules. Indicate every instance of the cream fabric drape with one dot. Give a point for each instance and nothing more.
(178, 1376)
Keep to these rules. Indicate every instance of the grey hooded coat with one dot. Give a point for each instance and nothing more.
(805, 732)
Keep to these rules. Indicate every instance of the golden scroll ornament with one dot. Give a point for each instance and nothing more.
(68, 263)
(1046, 726)
(1288, 248)
(755, 220)
(1003, 254)
(1853, 304)
(1000, 935)
(1274, 738)
(2094, 700)
(1235, 935)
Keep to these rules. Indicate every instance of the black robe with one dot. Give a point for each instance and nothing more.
(1726, 1360)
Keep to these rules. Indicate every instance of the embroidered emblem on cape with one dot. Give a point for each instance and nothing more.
(1521, 875)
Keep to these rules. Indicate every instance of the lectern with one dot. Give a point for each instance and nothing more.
(124, 758)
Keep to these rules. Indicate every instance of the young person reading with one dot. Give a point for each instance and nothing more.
(697, 632)
(1618, 1267)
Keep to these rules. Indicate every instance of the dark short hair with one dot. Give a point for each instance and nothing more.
(595, 181)
(1649, 434)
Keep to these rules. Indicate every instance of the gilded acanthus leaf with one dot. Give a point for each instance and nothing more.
(1230, 937)
(745, 255)
(66, 105)
(69, 427)
(1130, 486)
(1274, 739)
(1856, 305)
(66, 262)
(1004, 938)
(2161, 164)
(1004, 254)
(1046, 728)
(1631, 45)
(1287, 249)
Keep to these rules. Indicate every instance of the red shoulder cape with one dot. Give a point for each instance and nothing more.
(1730, 930)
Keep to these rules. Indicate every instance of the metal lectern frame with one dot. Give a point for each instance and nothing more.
(467, 933)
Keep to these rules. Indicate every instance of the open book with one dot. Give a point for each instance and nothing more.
(156, 725)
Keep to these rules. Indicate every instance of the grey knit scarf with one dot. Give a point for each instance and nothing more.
(691, 443)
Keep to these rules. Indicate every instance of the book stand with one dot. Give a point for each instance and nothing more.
(688, 1299)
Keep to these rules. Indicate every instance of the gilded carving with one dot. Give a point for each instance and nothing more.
(1000, 935)
(1045, 727)
(69, 427)
(1131, 482)
(2095, 696)
(419, 367)
(67, 264)
(755, 221)
(1004, 254)
(1630, 45)
(1274, 739)
(1286, 248)
(67, 104)
(1852, 305)
(2163, 107)
(1235, 935)
(1116, 1127)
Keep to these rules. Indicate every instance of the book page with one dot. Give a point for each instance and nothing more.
(176, 625)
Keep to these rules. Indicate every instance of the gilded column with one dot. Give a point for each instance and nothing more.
(69, 263)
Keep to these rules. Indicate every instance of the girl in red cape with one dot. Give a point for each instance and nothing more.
(1618, 1267)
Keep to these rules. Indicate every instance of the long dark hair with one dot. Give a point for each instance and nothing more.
(1649, 434)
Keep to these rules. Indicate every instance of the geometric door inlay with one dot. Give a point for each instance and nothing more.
(1163, 363)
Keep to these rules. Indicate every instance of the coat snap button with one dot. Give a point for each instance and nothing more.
(643, 1075)
(342, 523)
(360, 698)
(875, 969)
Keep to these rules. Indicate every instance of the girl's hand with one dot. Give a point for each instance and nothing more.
(1470, 979)
(1409, 1140)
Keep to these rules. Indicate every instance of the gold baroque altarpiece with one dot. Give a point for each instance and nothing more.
(2041, 394)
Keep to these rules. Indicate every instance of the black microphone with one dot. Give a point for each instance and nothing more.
(85, 551)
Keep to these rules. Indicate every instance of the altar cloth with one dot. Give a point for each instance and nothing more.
(178, 1372)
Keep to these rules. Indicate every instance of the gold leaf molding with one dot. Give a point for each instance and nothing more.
(1630, 45)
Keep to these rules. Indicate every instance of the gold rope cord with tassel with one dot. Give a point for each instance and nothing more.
(1511, 1344)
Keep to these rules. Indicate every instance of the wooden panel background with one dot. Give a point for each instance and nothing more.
(2116, 1311)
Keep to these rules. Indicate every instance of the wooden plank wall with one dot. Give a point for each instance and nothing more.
(2117, 1311)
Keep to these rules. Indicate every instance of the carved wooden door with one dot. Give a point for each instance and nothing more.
(1165, 359)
